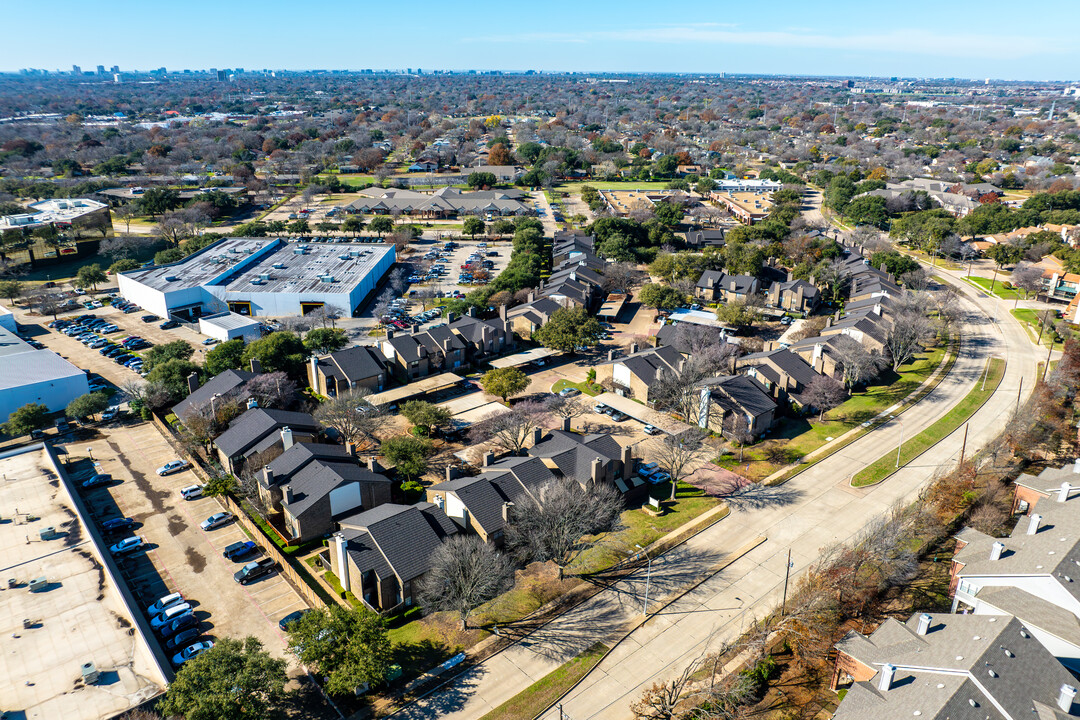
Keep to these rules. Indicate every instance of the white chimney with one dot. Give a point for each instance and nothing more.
(315, 373)
(286, 438)
(996, 549)
(1076, 466)
(1033, 523)
(341, 567)
(1065, 697)
(885, 681)
(1063, 493)
(924, 624)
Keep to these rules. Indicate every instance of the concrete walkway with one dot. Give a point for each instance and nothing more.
(815, 509)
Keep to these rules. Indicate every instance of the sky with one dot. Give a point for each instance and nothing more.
(910, 38)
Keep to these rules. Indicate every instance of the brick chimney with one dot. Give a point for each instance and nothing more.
(566, 424)
(192, 382)
(507, 508)
(627, 462)
(502, 312)
(489, 458)
(267, 477)
(373, 464)
(256, 366)
(538, 435)
(633, 348)
(610, 356)
(286, 437)
(597, 472)
(451, 473)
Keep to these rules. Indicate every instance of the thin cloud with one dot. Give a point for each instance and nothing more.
(897, 41)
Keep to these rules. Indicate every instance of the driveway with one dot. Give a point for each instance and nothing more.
(181, 556)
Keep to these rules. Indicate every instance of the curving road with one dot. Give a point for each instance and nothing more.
(815, 509)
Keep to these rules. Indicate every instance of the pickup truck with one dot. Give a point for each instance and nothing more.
(254, 570)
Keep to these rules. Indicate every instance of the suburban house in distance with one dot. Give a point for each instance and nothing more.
(634, 374)
(416, 355)
(380, 555)
(700, 239)
(794, 295)
(941, 667)
(317, 495)
(783, 373)
(258, 430)
(714, 286)
(588, 459)
(348, 369)
(224, 384)
(736, 404)
(482, 504)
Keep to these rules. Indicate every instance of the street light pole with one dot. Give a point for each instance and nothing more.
(648, 577)
(91, 452)
(787, 575)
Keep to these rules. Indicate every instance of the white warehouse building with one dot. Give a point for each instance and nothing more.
(261, 277)
(35, 376)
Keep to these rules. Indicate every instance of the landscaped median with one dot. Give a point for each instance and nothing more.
(886, 465)
(1001, 289)
(539, 696)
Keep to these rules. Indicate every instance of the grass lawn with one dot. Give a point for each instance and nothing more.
(417, 646)
(586, 388)
(886, 464)
(1002, 289)
(1030, 319)
(536, 698)
(793, 438)
(575, 187)
(353, 180)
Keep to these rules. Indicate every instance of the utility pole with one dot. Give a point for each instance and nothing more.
(1020, 390)
(787, 575)
(1047, 365)
(901, 445)
(963, 447)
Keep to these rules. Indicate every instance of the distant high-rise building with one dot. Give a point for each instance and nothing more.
(221, 74)
(76, 70)
(100, 69)
(116, 78)
(238, 71)
(114, 69)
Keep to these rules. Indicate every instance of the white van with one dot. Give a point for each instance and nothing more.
(191, 492)
(164, 604)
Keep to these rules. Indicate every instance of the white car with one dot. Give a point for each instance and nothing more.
(216, 520)
(169, 614)
(652, 430)
(172, 466)
(191, 651)
(164, 604)
(191, 492)
(127, 545)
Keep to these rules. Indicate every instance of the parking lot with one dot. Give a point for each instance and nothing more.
(180, 556)
(453, 260)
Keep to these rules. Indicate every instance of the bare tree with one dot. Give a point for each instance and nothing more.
(917, 279)
(566, 408)
(677, 454)
(910, 327)
(678, 391)
(465, 572)
(563, 520)
(1028, 278)
(271, 390)
(824, 393)
(510, 431)
(857, 363)
(352, 416)
(620, 276)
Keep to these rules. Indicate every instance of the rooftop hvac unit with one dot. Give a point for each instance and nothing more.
(171, 278)
(354, 253)
(327, 278)
(279, 266)
(89, 673)
(299, 251)
(38, 584)
(257, 281)
(237, 250)
(264, 276)
(47, 533)
(344, 257)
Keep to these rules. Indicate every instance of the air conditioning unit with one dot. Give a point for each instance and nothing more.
(258, 281)
(327, 278)
(264, 276)
(279, 266)
(38, 584)
(171, 278)
(89, 673)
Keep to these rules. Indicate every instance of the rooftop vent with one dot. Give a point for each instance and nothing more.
(344, 257)
(300, 251)
(279, 266)
(258, 281)
(171, 278)
(354, 253)
(327, 278)
(89, 673)
(264, 276)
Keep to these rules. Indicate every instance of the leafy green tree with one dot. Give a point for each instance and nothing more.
(30, 417)
(233, 679)
(170, 255)
(1003, 254)
(280, 350)
(124, 265)
(353, 224)
(220, 486)
(325, 340)
(661, 297)
(11, 289)
(425, 415)
(868, 210)
(175, 350)
(617, 247)
(504, 382)
(156, 201)
(668, 213)
(473, 226)
(381, 225)
(347, 645)
(895, 263)
(87, 405)
(481, 179)
(568, 329)
(299, 227)
(705, 185)
(737, 313)
(225, 356)
(91, 276)
(172, 375)
(409, 454)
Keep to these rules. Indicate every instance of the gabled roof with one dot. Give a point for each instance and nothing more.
(473, 329)
(516, 480)
(285, 465)
(573, 454)
(538, 310)
(792, 286)
(404, 535)
(740, 393)
(221, 384)
(646, 364)
(246, 431)
(354, 364)
(782, 359)
(317, 480)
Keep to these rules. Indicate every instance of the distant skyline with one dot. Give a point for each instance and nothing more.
(992, 39)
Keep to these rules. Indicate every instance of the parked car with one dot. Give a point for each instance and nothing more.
(569, 392)
(164, 603)
(210, 341)
(149, 318)
(183, 638)
(254, 570)
(191, 651)
(168, 325)
(600, 408)
(110, 413)
(172, 466)
(127, 545)
(117, 524)
(191, 492)
(239, 549)
(652, 430)
(169, 614)
(618, 416)
(216, 520)
(183, 622)
(295, 616)
(97, 479)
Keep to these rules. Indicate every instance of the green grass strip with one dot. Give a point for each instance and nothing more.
(1002, 289)
(886, 465)
(539, 696)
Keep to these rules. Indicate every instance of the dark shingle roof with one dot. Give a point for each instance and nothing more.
(284, 466)
(739, 392)
(317, 480)
(405, 535)
(357, 363)
(785, 360)
(221, 384)
(257, 424)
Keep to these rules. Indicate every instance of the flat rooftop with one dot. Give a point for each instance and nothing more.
(202, 267)
(300, 267)
(77, 617)
(752, 202)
